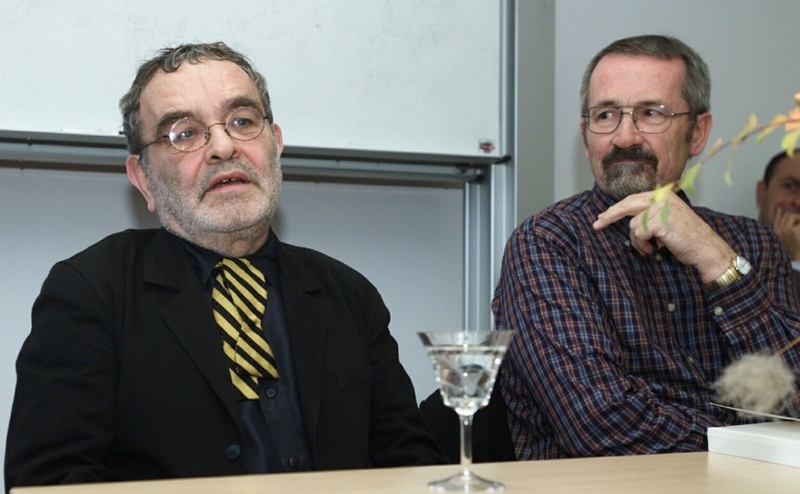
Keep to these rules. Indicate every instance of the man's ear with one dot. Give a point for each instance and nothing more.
(702, 130)
(276, 130)
(761, 193)
(138, 178)
(582, 130)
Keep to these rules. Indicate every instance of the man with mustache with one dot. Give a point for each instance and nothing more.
(207, 347)
(778, 199)
(627, 308)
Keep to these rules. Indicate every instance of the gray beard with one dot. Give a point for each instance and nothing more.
(624, 179)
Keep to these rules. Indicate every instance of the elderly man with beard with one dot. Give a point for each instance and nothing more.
(626, 317)
(207, 347)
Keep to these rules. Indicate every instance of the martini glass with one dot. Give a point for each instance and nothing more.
(466, 363)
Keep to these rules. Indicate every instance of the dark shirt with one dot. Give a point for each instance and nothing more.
(616, 352)
(273, 424)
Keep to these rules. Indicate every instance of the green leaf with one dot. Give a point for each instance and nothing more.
(665, 214)
(727, 174)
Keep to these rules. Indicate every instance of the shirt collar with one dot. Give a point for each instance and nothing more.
(265, 259)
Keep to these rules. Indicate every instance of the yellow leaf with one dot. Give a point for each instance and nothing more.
(752, 123)
(660, 193)
(689, 178)
(645, 218)
(777, 121)
(716, 146)
(789, 141)
(729, 164)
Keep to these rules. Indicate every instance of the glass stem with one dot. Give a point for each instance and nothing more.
(466, 443)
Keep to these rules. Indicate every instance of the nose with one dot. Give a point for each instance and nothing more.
(221, 146)
(627, 134)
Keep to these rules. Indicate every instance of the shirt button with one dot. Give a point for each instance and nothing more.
(233, 452)
(295, 462)
(671, 307)
(272, 392)
(718, 310)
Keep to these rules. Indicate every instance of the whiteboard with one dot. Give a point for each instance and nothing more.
(405, 75)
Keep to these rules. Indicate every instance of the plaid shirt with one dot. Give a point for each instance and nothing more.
(615, 352)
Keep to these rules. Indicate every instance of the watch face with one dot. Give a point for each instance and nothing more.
(742, 265)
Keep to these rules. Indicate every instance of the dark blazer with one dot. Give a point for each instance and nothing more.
(122, 376)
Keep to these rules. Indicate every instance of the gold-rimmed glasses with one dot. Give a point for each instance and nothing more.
(648, 119)
(190, 134)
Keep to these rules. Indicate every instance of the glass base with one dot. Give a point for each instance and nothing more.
(465, 481)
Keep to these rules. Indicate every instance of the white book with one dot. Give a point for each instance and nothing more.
(775, 442)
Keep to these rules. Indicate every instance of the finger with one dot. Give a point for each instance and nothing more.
(641, 242)
(629, 206)
(640, 236)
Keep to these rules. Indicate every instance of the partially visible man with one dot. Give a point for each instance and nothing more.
(207, 347)
(778, 198)
(624, 320)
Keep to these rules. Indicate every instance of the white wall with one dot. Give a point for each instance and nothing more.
(750, 46)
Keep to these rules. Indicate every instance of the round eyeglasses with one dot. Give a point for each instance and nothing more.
(189, 134)
(649, 119)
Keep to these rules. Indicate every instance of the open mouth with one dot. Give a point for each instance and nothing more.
(227, 181)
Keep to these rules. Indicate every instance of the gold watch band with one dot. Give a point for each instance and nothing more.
(725, 279)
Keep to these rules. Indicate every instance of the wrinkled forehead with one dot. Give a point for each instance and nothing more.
(636, 80)
(205, 89)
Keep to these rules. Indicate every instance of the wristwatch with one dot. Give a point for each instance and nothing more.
(739, 268)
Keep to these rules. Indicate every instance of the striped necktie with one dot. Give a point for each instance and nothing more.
(239, 298)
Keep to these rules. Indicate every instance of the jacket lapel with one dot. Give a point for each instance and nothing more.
(188, 315)
(307, 334)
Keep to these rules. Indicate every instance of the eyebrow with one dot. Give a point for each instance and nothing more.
(241, 101)
(167, 120)
(171, 117)
(639, 103)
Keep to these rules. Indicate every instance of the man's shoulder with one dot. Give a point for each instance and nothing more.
(572, 212)
(117, 248)
(298, 259)
(122, 241)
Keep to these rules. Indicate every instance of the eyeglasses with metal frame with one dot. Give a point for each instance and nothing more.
(189, 134)
(648, 119)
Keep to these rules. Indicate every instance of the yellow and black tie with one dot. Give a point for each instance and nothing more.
(239, 301)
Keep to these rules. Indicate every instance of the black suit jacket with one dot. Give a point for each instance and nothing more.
(122, 376)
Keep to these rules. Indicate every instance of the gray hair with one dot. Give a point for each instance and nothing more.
(169, 60)
(696, 88)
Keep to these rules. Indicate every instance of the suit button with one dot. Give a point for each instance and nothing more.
(272, 392)
(233, 452)
(295, 462)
